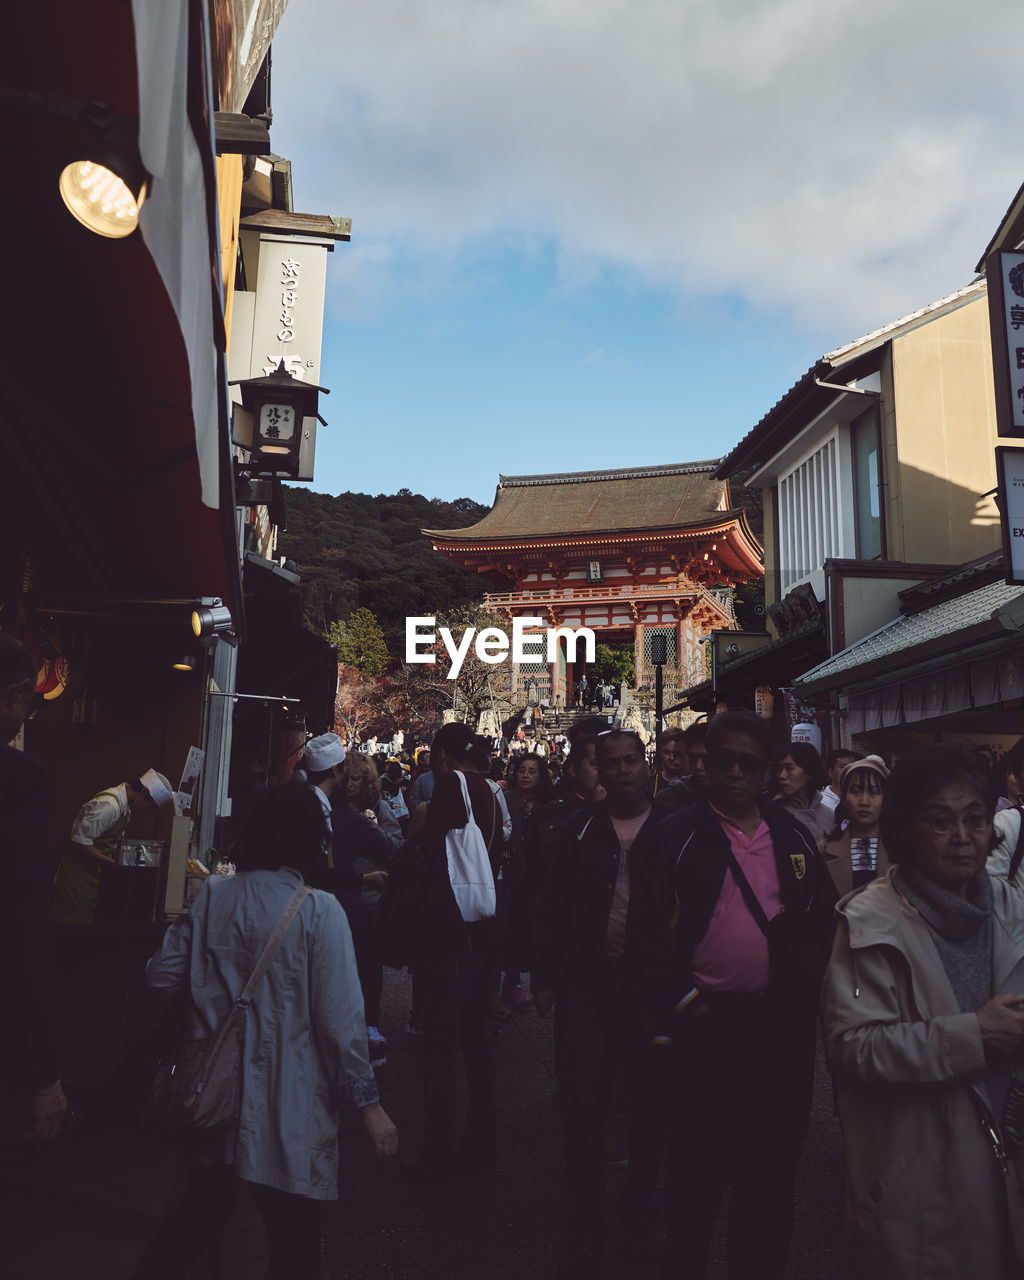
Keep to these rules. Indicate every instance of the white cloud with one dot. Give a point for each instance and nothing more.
(841, 160)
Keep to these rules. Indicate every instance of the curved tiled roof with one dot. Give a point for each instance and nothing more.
(947, 623)
(677, 495)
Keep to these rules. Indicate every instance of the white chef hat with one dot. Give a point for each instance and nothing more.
(323, 753)
(160, 790)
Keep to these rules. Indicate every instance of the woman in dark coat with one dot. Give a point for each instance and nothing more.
(452, 961)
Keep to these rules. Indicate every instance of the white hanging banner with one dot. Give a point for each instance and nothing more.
(1010, 469)
(289, 315)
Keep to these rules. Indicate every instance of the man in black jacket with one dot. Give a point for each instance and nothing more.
(605, 861)
(751, 936)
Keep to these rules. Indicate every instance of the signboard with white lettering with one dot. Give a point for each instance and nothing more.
(289, 318)
(1010, 468)
(1005, 275)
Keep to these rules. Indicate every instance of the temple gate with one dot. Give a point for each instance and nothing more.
(629, 553)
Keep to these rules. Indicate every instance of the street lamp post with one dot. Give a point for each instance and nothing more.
(659, 656)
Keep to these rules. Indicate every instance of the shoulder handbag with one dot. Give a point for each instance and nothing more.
(198, 1087)
(792, 958)
(469, 867)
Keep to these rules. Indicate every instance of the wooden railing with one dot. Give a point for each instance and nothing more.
(587, 593)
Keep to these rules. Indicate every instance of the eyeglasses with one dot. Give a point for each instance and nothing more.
(723, 761)
(942, 825)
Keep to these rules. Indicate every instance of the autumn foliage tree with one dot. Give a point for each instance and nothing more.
(479, 686)
(417, 697)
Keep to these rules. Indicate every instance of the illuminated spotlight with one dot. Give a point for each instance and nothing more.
(106, 187)
(211, 620)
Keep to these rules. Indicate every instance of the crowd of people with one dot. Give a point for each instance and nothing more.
(690, 925)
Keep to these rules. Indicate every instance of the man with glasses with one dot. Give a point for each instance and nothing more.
(29, 1065)
(750, 928)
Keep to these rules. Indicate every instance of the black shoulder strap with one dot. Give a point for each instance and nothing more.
(1018, 853)
(749, 896)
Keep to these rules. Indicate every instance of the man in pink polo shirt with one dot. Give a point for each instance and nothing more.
(751, 936)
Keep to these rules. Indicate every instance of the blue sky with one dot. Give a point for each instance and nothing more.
(500, 370)
(614, 233)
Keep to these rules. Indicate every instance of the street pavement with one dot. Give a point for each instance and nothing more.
(83, 1207)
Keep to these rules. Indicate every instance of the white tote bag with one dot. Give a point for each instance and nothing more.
(469, 867)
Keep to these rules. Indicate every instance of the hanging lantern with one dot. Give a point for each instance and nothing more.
(764, 702)
(269, 423)
(806, 733)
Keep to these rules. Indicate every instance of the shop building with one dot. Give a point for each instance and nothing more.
(877, 475)
(949, 663)
(126, 557)
(949, 666)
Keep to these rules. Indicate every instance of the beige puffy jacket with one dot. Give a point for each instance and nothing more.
(926, 1197)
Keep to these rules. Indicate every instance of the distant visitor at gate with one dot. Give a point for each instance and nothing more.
(539, 644)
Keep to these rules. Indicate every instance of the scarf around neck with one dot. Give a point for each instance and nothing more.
(961, 929)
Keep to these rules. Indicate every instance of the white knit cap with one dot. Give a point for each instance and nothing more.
(160, 790)
(870, 764)
(323, 753)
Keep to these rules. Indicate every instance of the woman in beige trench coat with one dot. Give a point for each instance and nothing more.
(924, 1026)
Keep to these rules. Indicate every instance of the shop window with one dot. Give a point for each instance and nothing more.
(809, 517)
(867, 487)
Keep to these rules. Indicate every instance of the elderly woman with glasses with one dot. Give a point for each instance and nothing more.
(924, 1025)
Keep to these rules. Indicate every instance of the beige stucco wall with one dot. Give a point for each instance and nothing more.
(942, 396)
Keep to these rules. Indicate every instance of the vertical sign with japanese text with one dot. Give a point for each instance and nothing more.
(1005, 275)
(289, 312)
(1010, 469)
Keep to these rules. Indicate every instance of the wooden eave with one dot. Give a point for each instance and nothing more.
(733, 530)
(320, 225)
(237, 134)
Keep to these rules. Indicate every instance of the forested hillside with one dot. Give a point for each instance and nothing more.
(358, 551)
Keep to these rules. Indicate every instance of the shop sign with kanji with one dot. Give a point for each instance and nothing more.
(1005, 274)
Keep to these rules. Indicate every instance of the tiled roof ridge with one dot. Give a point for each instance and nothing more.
(615, 473)
(939, 622)
(976, 285)
(638, 531)
(922, 594)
